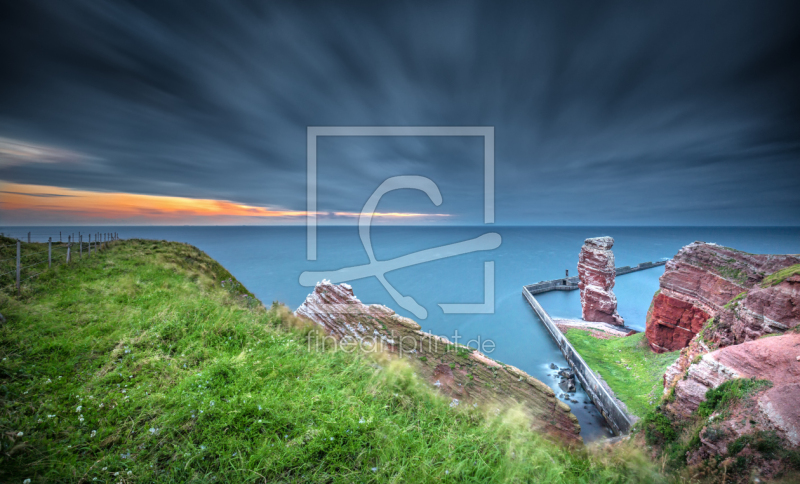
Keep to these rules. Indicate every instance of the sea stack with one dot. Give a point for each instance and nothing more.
(596, 273)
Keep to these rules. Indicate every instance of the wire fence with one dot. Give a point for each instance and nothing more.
(29, 255)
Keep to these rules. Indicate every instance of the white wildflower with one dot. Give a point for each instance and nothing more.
(94, 432)
(78, 409)
(20, 434)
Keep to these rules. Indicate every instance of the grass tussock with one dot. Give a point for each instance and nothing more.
(777, 277)
(149, 363)
(676, 439)
(631, 369)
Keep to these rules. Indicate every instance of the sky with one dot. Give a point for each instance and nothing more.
(604, 113)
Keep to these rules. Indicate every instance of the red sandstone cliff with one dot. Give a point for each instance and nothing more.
(596, 274)
(701, 279)
(715, 304)
(462, 373)
(770, 411)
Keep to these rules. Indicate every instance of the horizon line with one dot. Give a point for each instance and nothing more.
(412, 225)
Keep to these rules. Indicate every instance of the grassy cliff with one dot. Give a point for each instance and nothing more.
(148, 362)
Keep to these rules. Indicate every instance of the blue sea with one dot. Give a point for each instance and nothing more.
(269, 261)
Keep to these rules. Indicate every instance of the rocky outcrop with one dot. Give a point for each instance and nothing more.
(698, 283)
(596, 274)
(767, 411)
(464, 374)
(773, 359)
(716, 305)
(763, 309)
(673, 322)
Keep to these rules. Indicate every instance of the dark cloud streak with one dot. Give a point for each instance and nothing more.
(628, 113)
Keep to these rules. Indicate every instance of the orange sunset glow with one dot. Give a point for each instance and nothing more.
(35, 203)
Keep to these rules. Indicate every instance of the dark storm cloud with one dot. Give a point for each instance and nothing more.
(658, 113)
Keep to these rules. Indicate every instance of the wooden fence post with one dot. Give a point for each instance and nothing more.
(90, 245)
(29, 237)
(18, 267)
(59, 237)
(69, 246)
(80, 243)
(49, 252)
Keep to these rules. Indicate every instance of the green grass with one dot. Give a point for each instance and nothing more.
(637, 387)
(137, 365)
(732, 274)
(727, 394)
(777, 277)
(735, 301)
(674, 438)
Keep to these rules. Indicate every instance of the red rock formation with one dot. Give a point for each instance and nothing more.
(699, 281)
(676, 322)
(462, 373)
(744, 297)
(773, 359)
(596, 274)
(761, 311)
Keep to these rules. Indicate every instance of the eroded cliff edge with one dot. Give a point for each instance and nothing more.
(702, 279)
(462, 373)
(733, 392)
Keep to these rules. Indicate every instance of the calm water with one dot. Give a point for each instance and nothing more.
(269, 260)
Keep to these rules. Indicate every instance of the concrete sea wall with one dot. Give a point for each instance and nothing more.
(614, 411)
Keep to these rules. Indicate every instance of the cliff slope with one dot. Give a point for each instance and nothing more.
(462, 373)
(736, 383)
(149, 362)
